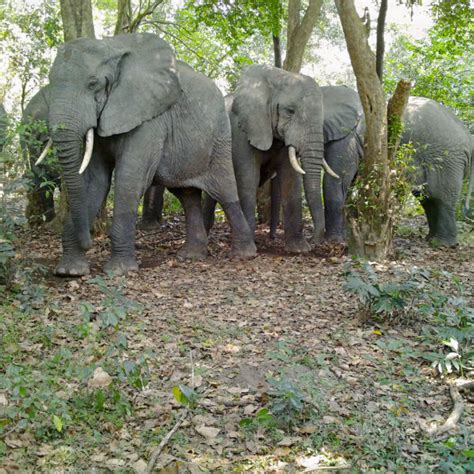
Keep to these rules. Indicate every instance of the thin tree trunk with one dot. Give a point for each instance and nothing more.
(277, 51)
(380, 51)
(77, 19)
(299, 32)
(372, 224)
(124, 17)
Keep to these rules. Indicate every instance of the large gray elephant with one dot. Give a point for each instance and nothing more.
(34, 137)
(150, 118)
(443, 156)
(276, 116)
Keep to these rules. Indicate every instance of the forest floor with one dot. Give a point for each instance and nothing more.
(276, 367)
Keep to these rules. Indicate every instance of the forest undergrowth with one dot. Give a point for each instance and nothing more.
(279, 363)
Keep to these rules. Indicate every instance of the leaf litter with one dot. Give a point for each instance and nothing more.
(245, 322)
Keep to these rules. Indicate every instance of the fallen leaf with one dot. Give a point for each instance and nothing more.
(100, 378)
(207, 431)
(139, 466)
(284, 451)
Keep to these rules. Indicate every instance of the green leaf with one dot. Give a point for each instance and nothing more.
(58, 423)
(184, 395)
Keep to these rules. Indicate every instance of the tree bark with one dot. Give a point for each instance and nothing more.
(380, 51)
(277, 51)
(124, 17)
(371, 219)
(299, 31)
(77, 19)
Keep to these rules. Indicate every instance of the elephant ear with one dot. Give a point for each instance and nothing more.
(342, 112)
(252, 106)
(145, 83)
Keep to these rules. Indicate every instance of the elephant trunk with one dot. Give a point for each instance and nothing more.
(312, 161)
(68, 135)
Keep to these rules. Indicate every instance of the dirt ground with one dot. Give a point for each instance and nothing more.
(243, 336)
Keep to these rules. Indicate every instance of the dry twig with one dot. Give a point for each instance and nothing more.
(456, 413)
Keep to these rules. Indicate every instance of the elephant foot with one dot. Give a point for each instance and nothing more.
(437, 242)
(335, 238)
(121, 265)
(193, 252)
(297, 245)
(243, 249)
(72, 266)
(149, 224)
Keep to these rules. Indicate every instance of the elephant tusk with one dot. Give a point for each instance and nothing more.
(328, 170)
(293, 160)
(88, 153)
(45, 152)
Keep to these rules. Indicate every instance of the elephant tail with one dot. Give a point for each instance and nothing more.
(467, 203)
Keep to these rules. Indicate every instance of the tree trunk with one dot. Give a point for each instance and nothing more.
(124, 17)
(380, 51)
(77, 19)
(299, 32)
(371, 219)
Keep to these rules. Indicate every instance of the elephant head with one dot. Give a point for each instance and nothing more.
(106, 87)
(271, 103)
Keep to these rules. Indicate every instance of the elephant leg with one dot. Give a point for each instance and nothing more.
(343, 157)
(98, 178)
(131, 180)
(195, 246)
(243, 244)
(445, 230)
(292, 209)
(209, 210)
(430, 212)
(48, 203)
(152, 207)
(221, 186)
(275, 189)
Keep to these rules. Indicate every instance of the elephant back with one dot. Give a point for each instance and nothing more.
(342, 112)
(431, 124)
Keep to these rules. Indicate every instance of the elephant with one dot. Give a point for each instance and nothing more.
(443, 155)
(33, 139)
(275, 116)
(151, 119)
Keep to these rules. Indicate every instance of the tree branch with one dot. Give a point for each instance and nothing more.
(380, 38)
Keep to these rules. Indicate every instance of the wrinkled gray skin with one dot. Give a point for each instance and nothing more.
(154, 120)
(271, 110)
(3, 126)
(443, 156)
(33, 142)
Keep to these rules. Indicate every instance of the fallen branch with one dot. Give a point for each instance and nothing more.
(156, 453)
(451, 422)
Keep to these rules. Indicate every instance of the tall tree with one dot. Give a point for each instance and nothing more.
(300, 27)
(372, 224)
(77, 19)
(129, 19)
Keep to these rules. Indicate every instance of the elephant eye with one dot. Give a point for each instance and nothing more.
(289, 110)
(93, 83)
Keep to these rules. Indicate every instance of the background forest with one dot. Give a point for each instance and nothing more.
(278, 364)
